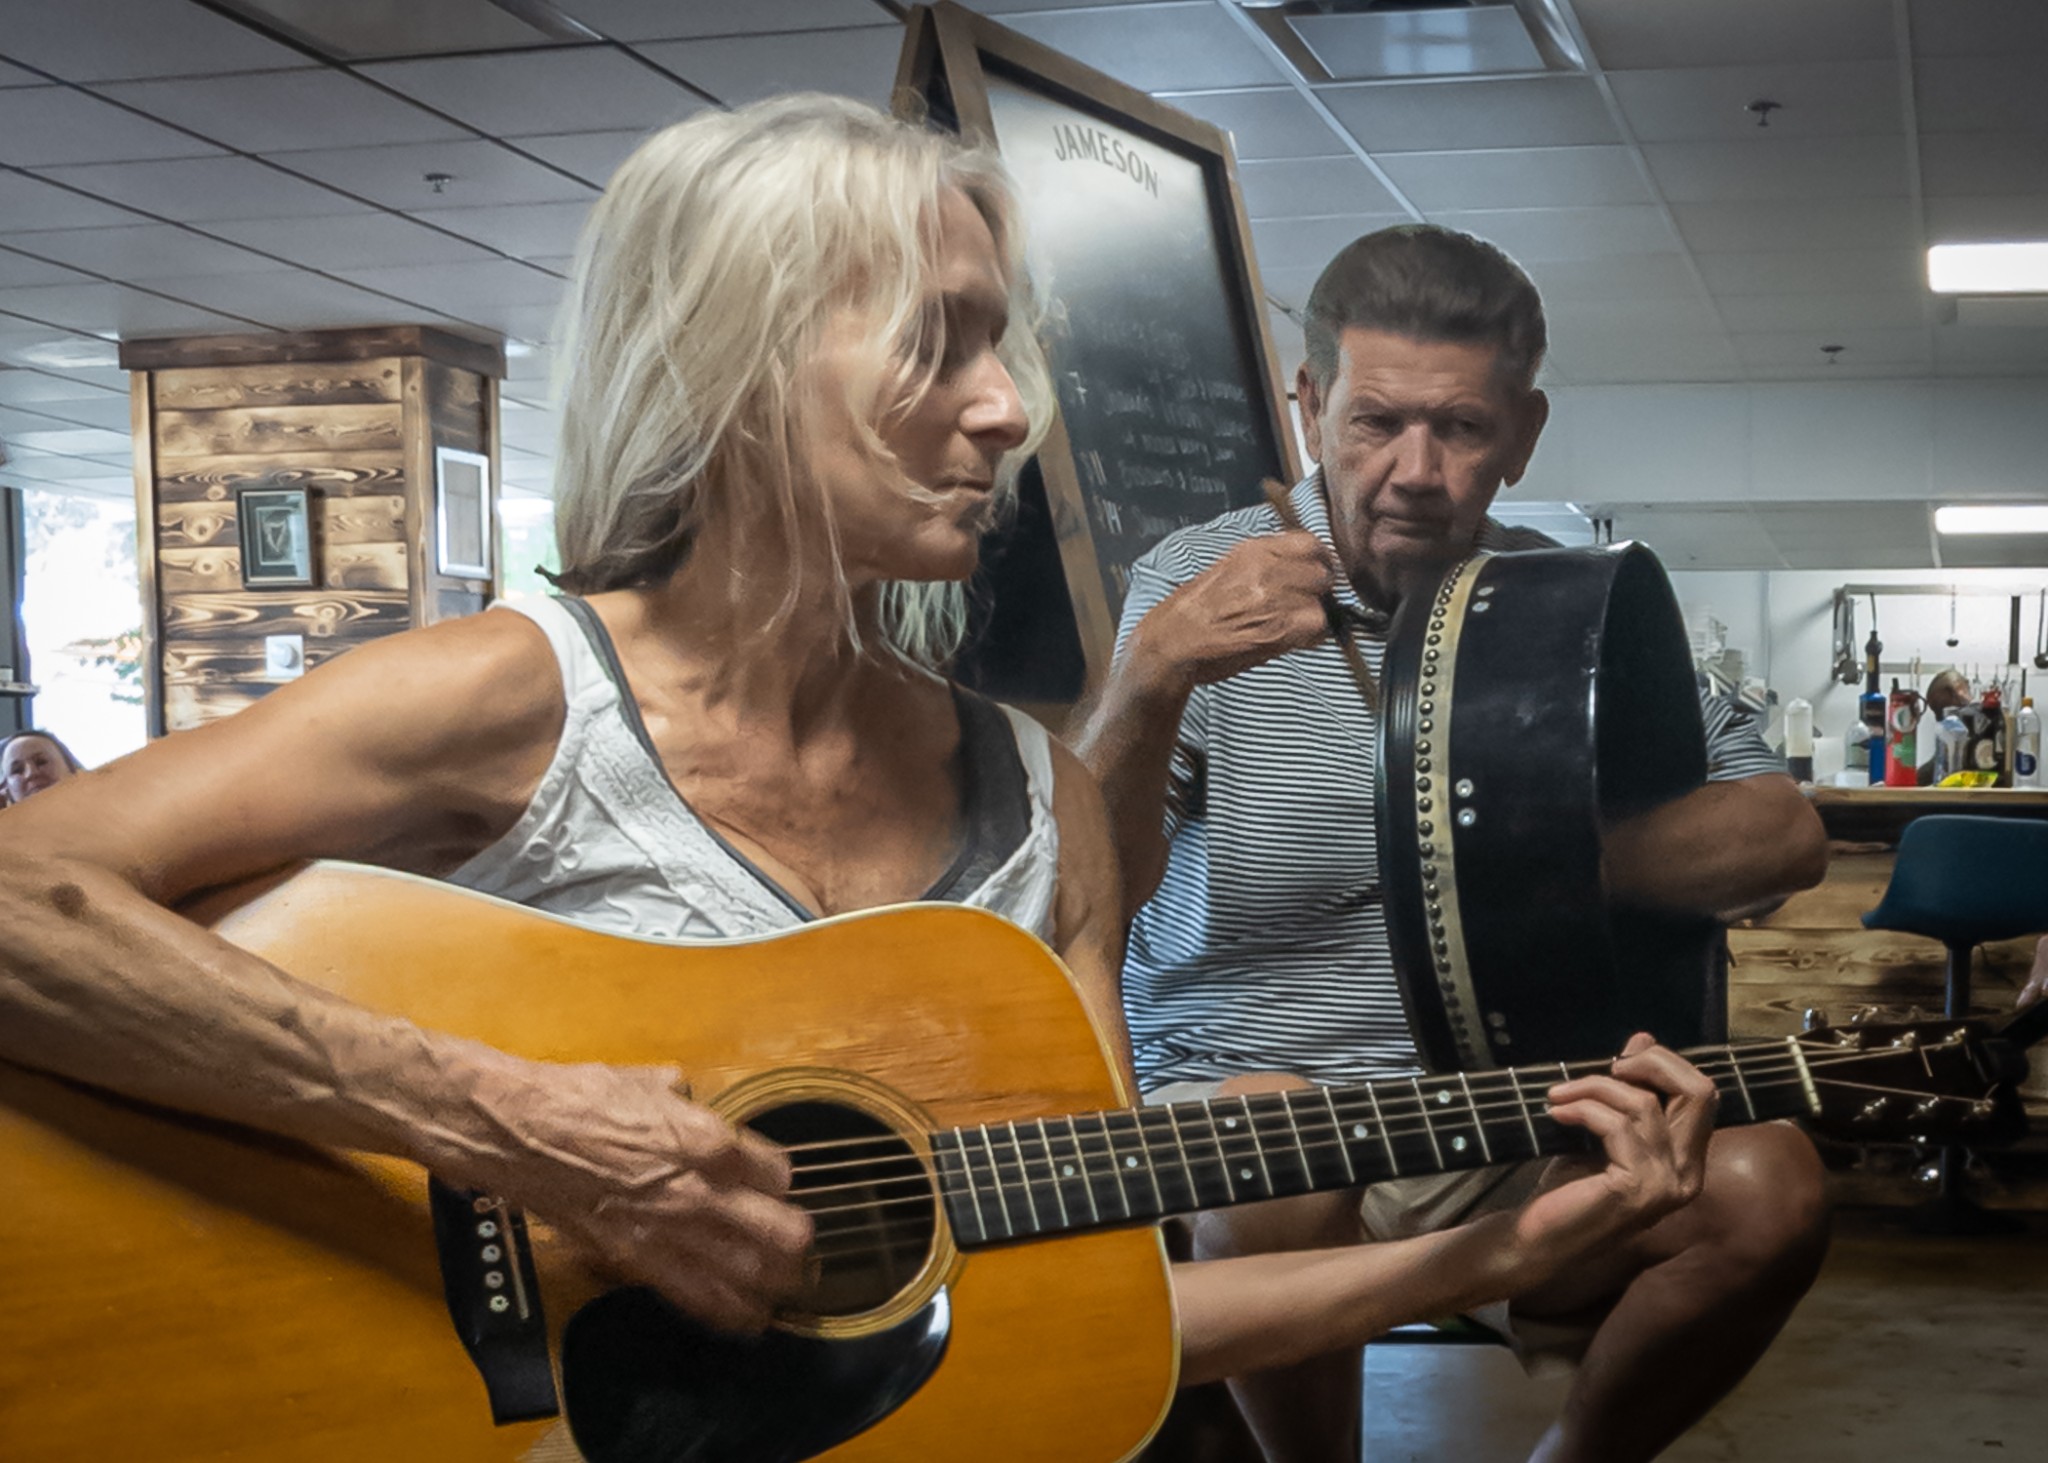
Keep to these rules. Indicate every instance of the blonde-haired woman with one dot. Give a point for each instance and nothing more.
(801, 375)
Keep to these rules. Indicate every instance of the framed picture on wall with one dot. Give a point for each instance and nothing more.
(277, 537)
(462, 511)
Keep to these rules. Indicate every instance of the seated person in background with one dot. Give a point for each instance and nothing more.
(1235, 756)
(31, 761)
(802, 378)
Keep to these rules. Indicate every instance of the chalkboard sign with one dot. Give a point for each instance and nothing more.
(1170, 410)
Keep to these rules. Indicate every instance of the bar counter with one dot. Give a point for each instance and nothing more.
(1876, 814)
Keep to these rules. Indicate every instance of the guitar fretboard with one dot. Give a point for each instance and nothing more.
(1043, 1176)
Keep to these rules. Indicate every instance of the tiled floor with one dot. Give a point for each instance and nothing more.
(1908, 1349)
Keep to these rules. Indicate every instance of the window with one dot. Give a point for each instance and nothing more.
(82, 617)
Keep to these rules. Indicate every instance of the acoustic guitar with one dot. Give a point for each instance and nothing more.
(991, 1281)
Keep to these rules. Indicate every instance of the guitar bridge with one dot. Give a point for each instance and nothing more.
(493, 1294)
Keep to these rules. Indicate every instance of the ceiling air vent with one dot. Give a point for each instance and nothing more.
(1405, 40)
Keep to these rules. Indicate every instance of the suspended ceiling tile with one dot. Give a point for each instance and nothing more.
(145, 252)
(123, 40)
(71, 441)
(1962, 164)
(1303, 187)
(1618, 277)
(293, 300)
(1269, 122)
(1813, 271)
(11, 76)
(1779, 167)
(197, 190)
(1799, 223)
(1290, 284)
(17, 269)
(1187, 47)
(1877, 442)
(2015, 347)
(479, 175)
(665, 20)
(1692, 314)
(1708, 103)
(1454, 116)
(1629, 356)
(1310, 243)
(361, 240)
(528, 231)
(578, 88)
(1862, 346)
(282, 111)
(740, 69)
(102, 409)
(471, 291)
(1826, 313)
(2002, 93)
(26, 342)
(114, 309)
(1545, 235)
(30, 205)
(1978, 28)
(2016, 217)
(1690, 433)
(1990, 437)
(20, 386)
(1525, 177)
(1629, 35)
(51, 126)
(591, 156)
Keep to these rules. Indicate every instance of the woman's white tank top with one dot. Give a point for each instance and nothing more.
(607, 841)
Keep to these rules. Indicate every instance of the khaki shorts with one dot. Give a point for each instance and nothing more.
(1405, 1208)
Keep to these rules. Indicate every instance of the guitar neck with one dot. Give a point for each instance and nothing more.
(1047, 1176)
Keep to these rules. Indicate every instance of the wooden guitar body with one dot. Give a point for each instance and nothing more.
(176, 1289)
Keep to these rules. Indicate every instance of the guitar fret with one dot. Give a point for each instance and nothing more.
(1115, 1169)
(1742, 1086)
(1222, 1158)
(1337, 1128)
(1379, 1120)
(1522, 1106)
(996, 1177)
(1187, 1165)
(1024, 1180)
(1081, 1159)
(1053, 1174)
(1422, 1106)
(1478, 1122)
(973, 1196)
(1258, 1148)
(1127, 1163)
(1308, 1173)
(1156, 1134)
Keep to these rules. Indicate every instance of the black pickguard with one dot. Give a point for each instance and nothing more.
(645, 1384)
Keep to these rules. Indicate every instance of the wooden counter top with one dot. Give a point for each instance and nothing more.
(1876, 814)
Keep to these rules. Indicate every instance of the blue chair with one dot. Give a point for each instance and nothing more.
(1964, 881)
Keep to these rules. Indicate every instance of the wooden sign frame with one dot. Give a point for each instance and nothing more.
(948, 55)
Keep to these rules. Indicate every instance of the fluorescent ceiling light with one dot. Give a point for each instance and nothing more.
(1992, 518)
(1988, 269)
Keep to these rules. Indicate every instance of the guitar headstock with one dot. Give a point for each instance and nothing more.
(1923, 1081)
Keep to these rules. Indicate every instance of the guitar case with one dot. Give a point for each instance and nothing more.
(1528, 700)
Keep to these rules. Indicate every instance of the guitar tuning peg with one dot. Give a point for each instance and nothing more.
(1915, 1015)
(1862, 1014)
(1815, 1018)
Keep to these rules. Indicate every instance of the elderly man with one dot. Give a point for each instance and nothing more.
(1234, 752)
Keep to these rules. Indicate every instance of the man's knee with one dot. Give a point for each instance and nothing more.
(1764, 1206)
(1313, 1221)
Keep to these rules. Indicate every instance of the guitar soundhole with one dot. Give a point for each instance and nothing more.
(870, 1197)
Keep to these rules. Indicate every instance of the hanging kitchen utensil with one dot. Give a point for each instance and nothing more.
(2041, 635)
(1952, 641)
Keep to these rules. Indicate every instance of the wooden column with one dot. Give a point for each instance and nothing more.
(352, 416)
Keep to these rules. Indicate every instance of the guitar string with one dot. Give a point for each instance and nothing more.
(1777, 1063)
(927, 1191)
(1406, 1110)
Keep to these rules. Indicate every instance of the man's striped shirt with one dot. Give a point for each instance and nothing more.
(1265, 945)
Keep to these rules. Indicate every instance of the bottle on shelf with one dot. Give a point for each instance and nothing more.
(1902, 724)
(2026, 757)
(1799, 739)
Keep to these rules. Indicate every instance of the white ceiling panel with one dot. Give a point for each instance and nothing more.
(1781, 272)
(1991, 345)
(197, 190)
(480, 175)
(1630, 35)
(475, 292)
(529, 231)
(293, 300)
(1692, 314)
(587, 88)
(1779, 167)
(1307, 187)
(666, 20)
(2002, 93)
(123, 40)
(1799, 223)
(71, 441)
(282, 111)
(16, 76)
(1879, 437)
(2018, 216)
(1543, 111)
(360, 240)
(145, 252)
(740, 69)
(1289, 285)
(1273, 122)
(1544, 235)
(1005, 8)
(1707, 103)
(1982, 163)
(1628, 356)
(1978, 27)
(1188, 47)
(1860, 347)
(56, 389)
(1829, 314)
(591, 156)
(1310, 243)
(1721, 536)
(25, 342)
(18, 269)
(102, 409)
(115, 310)
(29, 205)
(1619, 277)
(1524, 177)
(45, 126)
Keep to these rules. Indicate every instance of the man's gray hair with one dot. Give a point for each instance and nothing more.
(1427, 283)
